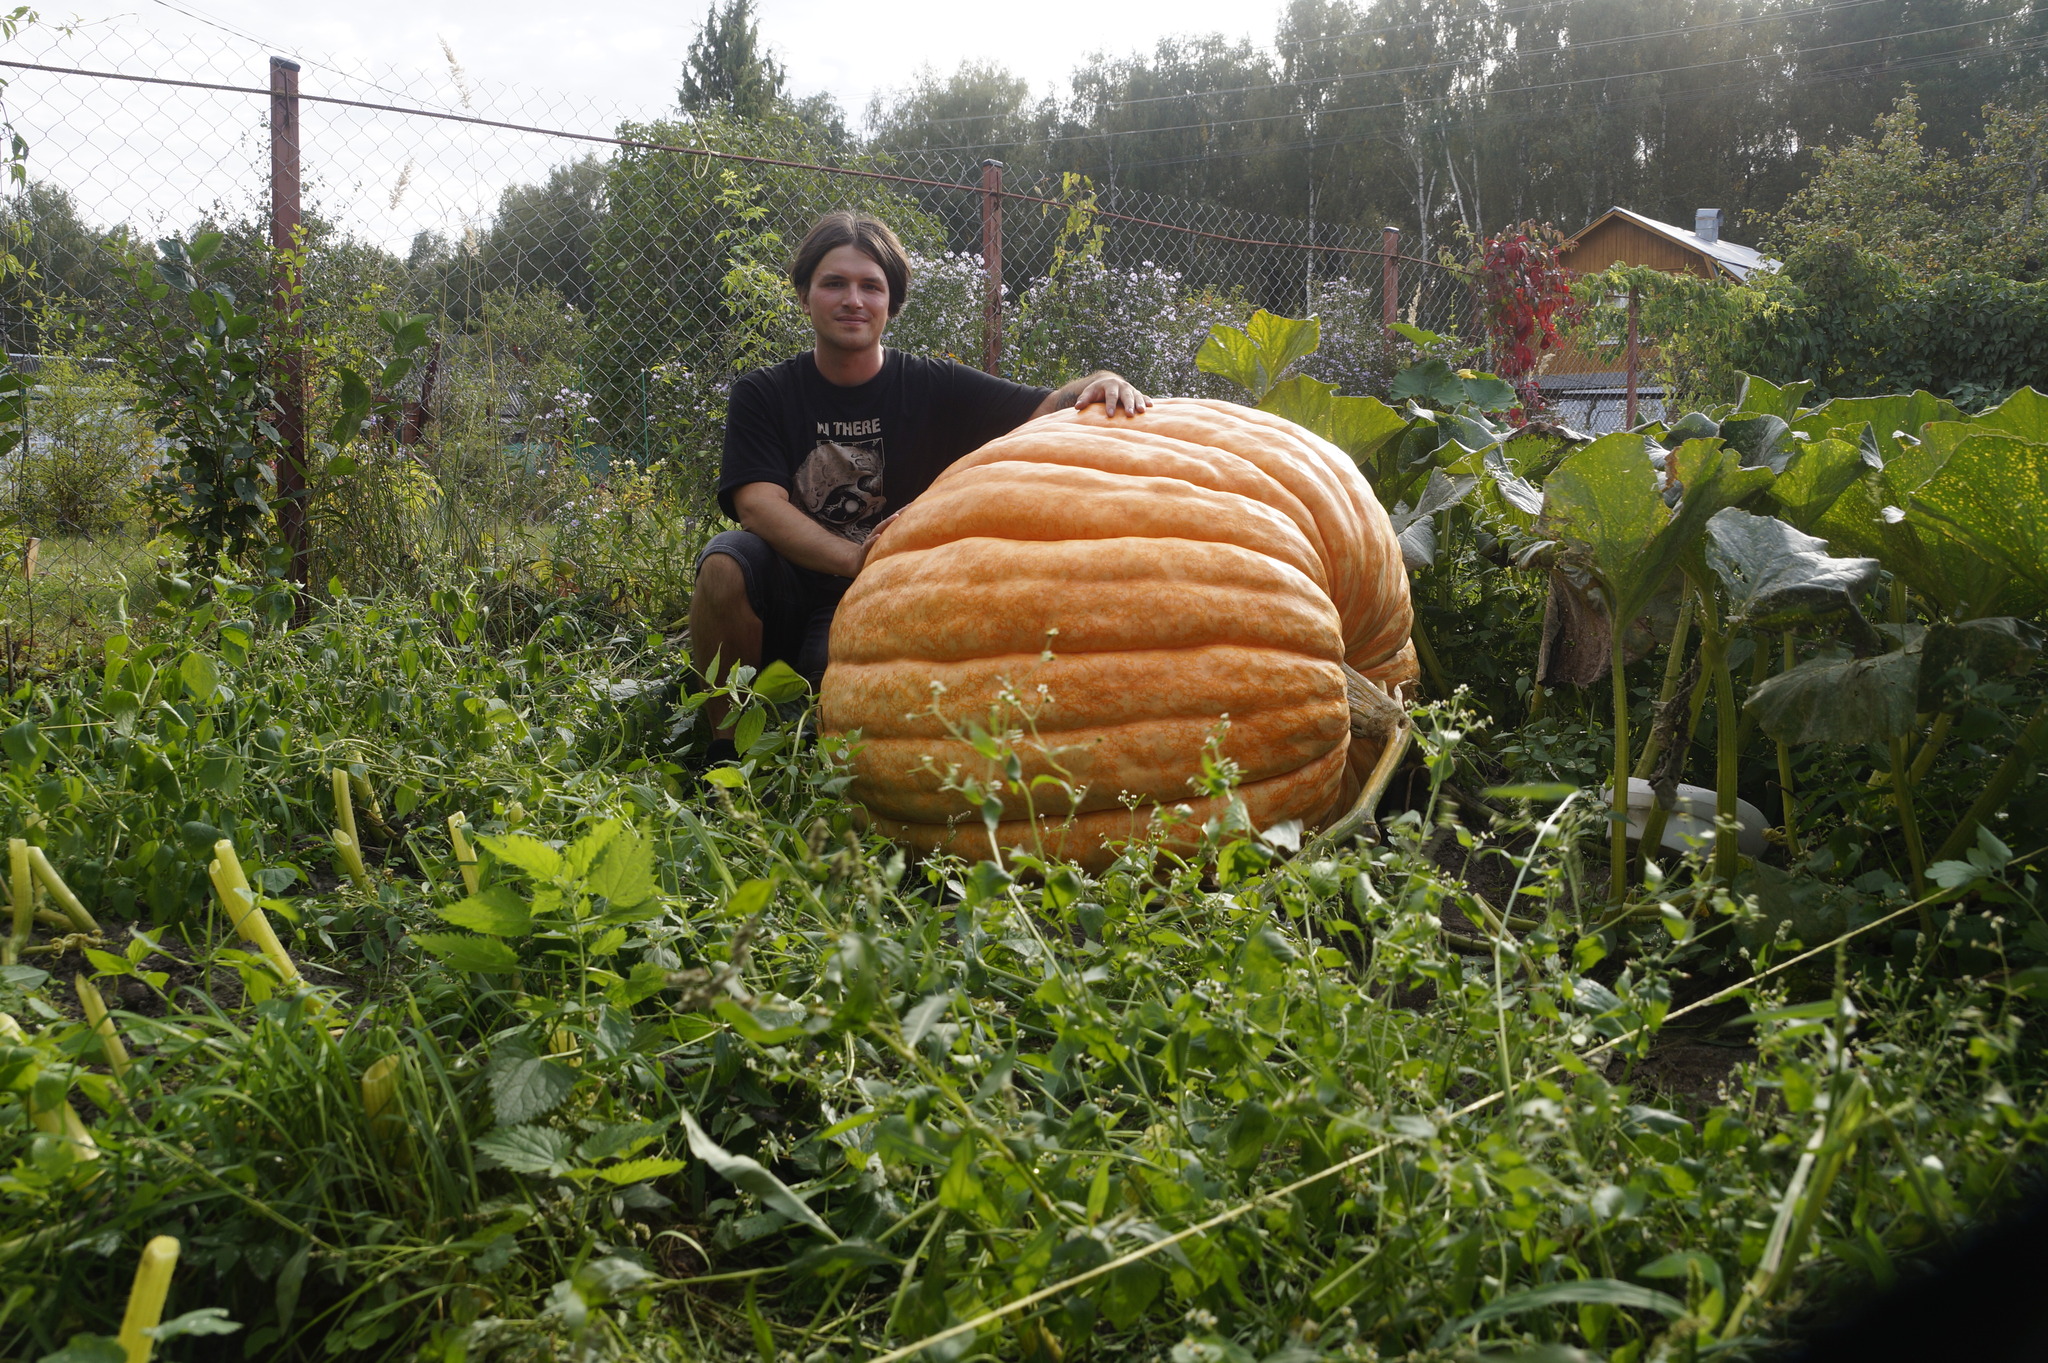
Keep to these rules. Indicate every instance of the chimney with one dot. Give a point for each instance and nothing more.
(1706, 224)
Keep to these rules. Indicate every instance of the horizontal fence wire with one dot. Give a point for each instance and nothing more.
(593, 277)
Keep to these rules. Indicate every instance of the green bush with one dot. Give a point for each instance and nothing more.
(87, 450)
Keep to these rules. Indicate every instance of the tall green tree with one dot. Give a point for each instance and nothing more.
(728, 69)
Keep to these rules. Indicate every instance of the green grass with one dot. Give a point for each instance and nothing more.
(703, 1071)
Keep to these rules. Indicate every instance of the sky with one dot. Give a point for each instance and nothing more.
(630, 51)
(160, 158)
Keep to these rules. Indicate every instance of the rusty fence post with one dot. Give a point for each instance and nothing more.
(992, 266)
(1633, 314)
(1390, 276)
(288, 369)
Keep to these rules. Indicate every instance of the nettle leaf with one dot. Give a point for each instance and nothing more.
(528, 1150)
(1777, 577)
(640, 1170)
(1992, 495)
(624, 870)
(498, 911)
(1841, 701)
(530, 855)
(478, 955)
(748, 1174)
(525, 1085)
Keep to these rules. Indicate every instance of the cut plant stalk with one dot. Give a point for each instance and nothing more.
(346, 840)
(22, 885)
(102, 1025)
(59, 891)
(250, 923)
(146, 1297)
(465, 858)
(1785, 770)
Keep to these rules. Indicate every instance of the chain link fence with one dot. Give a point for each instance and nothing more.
(593, 281)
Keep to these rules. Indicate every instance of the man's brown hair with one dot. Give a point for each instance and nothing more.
(868, 235)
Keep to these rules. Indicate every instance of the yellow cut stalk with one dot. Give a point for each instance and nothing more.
(368, 797)
(61, 892)
(380, 1087)
(21, 882)
(146, 1298)
(352, 859)
(103, 1026)
(250, 922)
(344, 807)
(465, 859)
(10, 1031)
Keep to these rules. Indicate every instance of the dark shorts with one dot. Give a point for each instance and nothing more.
(795, 604)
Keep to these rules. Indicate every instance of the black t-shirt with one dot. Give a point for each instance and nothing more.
(851, 456)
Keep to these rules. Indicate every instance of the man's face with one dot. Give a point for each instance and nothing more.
(848, 300)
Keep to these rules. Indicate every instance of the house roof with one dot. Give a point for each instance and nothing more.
(1739, 261)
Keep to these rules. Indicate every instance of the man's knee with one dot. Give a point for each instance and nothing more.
(722, 589)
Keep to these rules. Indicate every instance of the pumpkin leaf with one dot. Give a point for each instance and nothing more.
(2024, 414)
(1889, 417)
(1765, 398)
(1992, 647)
(1777, 577)
(1359, 426)
(1605, 501)
(1760, 440)
(1842, 701)
(1817, 473)
(1992, 496)
(1256, 358)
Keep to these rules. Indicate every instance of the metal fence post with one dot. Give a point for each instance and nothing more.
(288, 376)
(1390, 276)
(1633, 313)
(992, 266)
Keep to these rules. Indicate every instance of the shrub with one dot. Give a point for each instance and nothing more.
(87, 450)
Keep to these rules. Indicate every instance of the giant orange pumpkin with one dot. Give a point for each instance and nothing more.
(1133, 582)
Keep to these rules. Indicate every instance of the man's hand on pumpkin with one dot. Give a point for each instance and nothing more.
(1115, 392)
(874, 537)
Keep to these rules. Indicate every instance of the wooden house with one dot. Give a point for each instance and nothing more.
(1587, 388)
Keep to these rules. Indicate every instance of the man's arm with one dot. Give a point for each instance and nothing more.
(1113, 391)
(765, 509)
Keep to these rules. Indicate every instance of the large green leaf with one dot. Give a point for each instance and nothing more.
(1359, 426)
(1869, 519)
(1841, 701)
(1994, 647)
(1765, 398)
(2024, 414)
(1992, 495)
(1432, 380)
(1817, 473)
(1604, 500)
(1759, 439)
(1777, 577)
(1256, 358)
(1888, 417)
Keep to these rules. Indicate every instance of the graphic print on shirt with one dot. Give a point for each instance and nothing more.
(840, 481)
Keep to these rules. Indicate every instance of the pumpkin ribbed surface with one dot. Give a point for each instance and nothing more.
(1128, 583)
